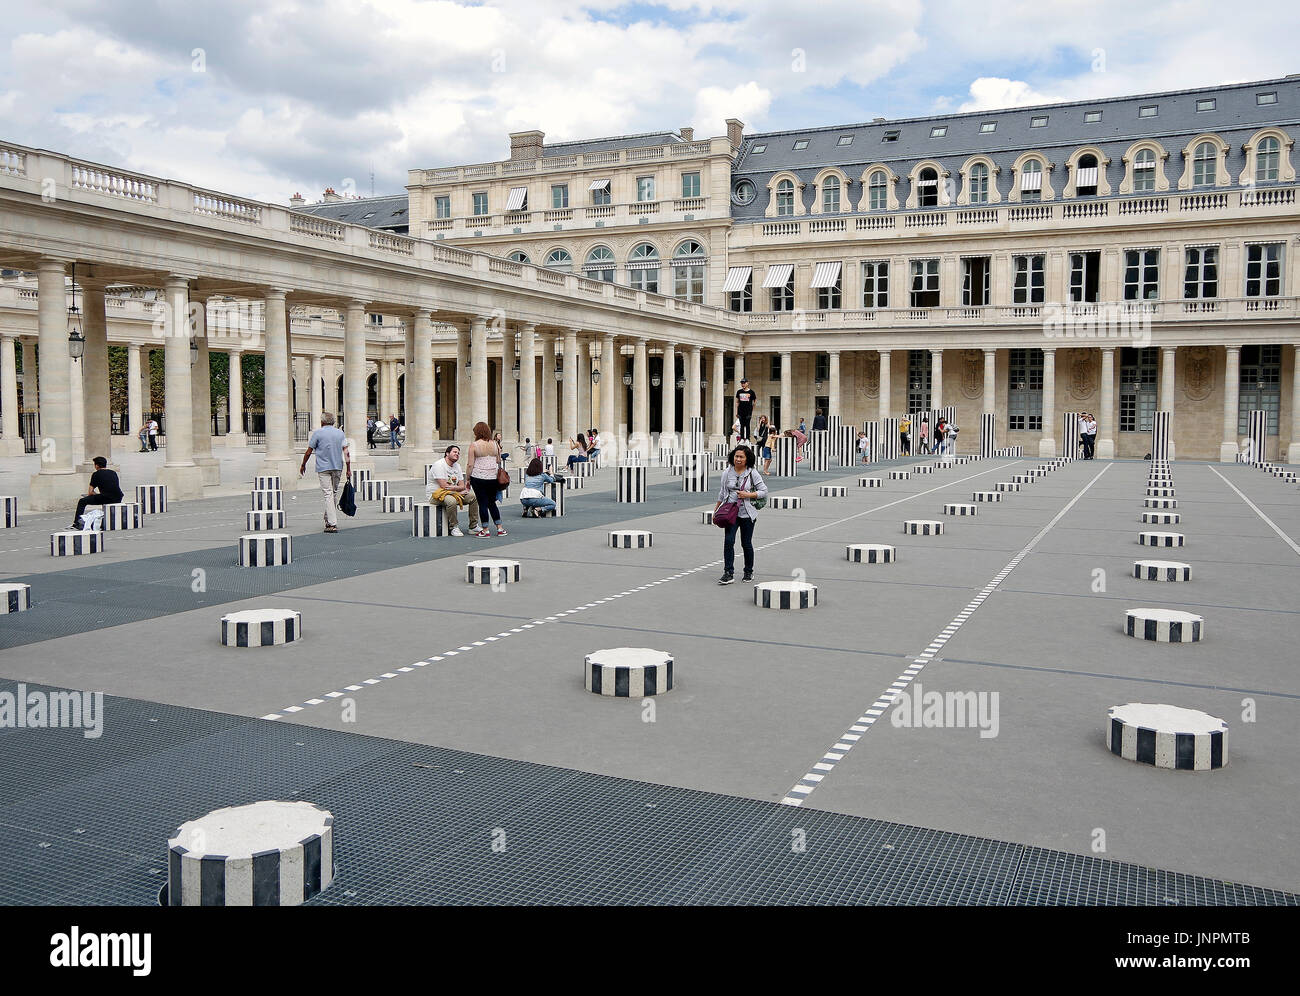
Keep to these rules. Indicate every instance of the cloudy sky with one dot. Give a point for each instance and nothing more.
(266, 97)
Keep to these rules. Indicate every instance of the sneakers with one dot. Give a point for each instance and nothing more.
(457, 532)
(727, 579)
(331, 529)
(748, 576)
(481, 532)
(501, 530)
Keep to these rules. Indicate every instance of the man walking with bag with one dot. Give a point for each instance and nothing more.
(333, 457)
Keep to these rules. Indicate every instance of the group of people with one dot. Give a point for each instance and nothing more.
(148, 435)
(1088, 433)
(394, 432)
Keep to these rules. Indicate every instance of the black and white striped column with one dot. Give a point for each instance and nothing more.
(1005, 486)
(900, 475)
(696, 440)
(1256, 438)
(274, 853)
(1161, 570)
(430, 520)
(76, 543)
(15, 597)
(785, 595)
(695, 472)
(1070, 445)
(267, 482)
(372, 490)
(1161, 518)
(784, 502)
(872, 432)
(492, 572)
(263, 521)
(628, 672)
(1161, 539)
(888, 440)
(8, 511)
(871, 482)
(265, 550)
(264, 501)
(630, 484)
(1167, 736)
(555, 492)
(960, 508)
(833, 491)
(397, 503)
(870, 553)
(635, 539)
(986, 496)
(359, 477)
(1150, 502)
(123, 515)
(783, 456)
(585, 468)
(818, 450)
(845, 441)
(988, 434)
(260, 628)
(923, 527)
(1160, 429)
(152, 498)
(1164, 625)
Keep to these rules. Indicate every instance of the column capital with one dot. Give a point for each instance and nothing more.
(8, 336)
(990, 352)
(883, 352)
(1107, 349)
(177, 281)
(425, 314)
(832, 352)
(275, 294)
(1235, 349)
(1168, 350)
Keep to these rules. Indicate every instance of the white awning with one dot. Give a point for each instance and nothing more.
(518, 199)
(927, 183)
(737, 278)
(599, 184)
(643, 264)
(826, 275)
(778, 275)
(1086, 177)
(1031, 181)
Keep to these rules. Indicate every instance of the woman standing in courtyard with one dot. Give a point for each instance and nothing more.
(741, 487)
(484, 462)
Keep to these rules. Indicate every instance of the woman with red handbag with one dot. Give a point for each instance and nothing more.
(741, 494)
(487, 477)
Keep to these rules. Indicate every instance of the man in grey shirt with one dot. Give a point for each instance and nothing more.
(333, 456)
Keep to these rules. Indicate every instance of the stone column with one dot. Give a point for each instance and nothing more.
(936, 378)
(668, 400)
(528, 381)
(1047, 444)
(990, 380)
(1168, 363)
(31, 387)
(316, 393)
(354, 383)
(547, 426)
(610, 375)
(586, 417)
(834, 404)
(56, 485)
(201, 403)
(236, 437)
(1293, 449)
(1229, 448)
(11, 440)
(1106, 431)
(718, 390)
(739, 371)
(693, 384)
(134, 413)
(639, 438)
(77, 399)
(570, 385)
(463, 421)
(509, 393)
(146, 380)
(882, 409)
(98, 438)
(275, 392)
(291, 402)
(419, 394)
(789, 419)
(183, 477)
(478, 375)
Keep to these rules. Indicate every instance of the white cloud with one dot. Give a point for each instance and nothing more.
(990, 92)
(713, 105)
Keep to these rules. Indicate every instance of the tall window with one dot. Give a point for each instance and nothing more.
(480, 203)
(1141, 274)
(645, 188)
(643, 268)
(1144, 171)
(831, 195)
(1268, 159)
(690, 184)
(774, 370)
(1264, 270)
(975, 281)
(442, 207)
(741, 300)
(977, 184)
(1201, 278)
(830, 296)
(1025, 390)
(783, 296)
(822, 368)
(600, 194)
(1260, 386)
(918, 381)
(877, 192)
(599, 264)
(559, 196)
(559, 259)
(1137, 388)
(1031, 181)
(925, 283)
(688, 271)
(875, 284)
(785, 198)
(1027, 279)
(1085, 176)
(1085, 277)
(1205, 165)
(927, 188)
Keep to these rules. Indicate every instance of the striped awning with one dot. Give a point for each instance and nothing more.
(1086, 177)
(778, 275)
(599, 184)
(1031, 181)
(517, 199)
(644, 264)
(737, 278)
(826, 275)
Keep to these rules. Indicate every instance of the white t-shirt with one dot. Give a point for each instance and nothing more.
(153, 427)
(863, 444)
(550, 449)
(443, 472)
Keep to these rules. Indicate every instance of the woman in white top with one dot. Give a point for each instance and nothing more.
(484, 462)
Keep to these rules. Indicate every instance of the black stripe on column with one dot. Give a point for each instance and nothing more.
(651, 680)
(1175, 632)
(267, 632)
(212, 880)
(311, 866)
(1146, 746)
(1150, 629)
(1184, 751)
(1116, 737)
(174, 875)
(621, 681)
(597, 674)
(1216, 749)
(266, 878)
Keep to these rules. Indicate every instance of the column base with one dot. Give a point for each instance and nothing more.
(1228, 452)
(287, 470)
(52, 492)
(1105, 449)
(182, 482)
(12, 447)
(360, 461)
(235, 440)
(211, 468)
(417, 460)
(89, 468)
(1047, 447)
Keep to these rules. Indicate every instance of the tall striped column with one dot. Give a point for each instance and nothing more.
(1160, 436)
(1070, 446)
(783, 456)
(846, 445)
(988, 433)
(888, 440)
(819, 450)
(695, 472)
(1256, 451)
(631, 484)
(696, 441)
(872, 430)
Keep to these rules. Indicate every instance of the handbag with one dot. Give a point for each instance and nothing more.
(348, 500)
(503, 475)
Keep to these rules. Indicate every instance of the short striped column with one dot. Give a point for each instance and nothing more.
(1009, 451)
(264, 520)
(1160, 502)
(1005, 486)
(986, 496)
(152, 498)
(1036, 472)
(1070, 444)
(635, 539)
(274, 853)
(123, 515)
(1161, 570)
(263, 501)
(492, 572)
(706, 518)
(1161, 539)
(583, 468)
(695, 472)
(785, 595)
(555, 492)
(1023, 479)
(267, 482)
(397, 503)
(870, 553)
(429, 520)
(1160, 492)
(785, 502)
(571, 483)
(359, 477)
(372, 490)
(265, 550)
(1167, 736)
(1164, 625)
(960, 508)
(922, 527)
(783, 456)
(988, 437)
(871, 482)
(922, 468)
(260, 628)
(8, 511)
(1161, 518)
(900, 475)
(630, 484)
(1160, 435)
(76, 543)
(630, 458)
(15, 597)
(819, 450)
(628, 672)
(833, 491)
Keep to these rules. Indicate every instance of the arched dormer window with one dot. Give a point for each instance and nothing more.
(1144, 171)
(784, 196)
(878, 186)
(979, 185)
(643, 268)
(1030, 186)
(930, 183)
(1268, 158)
(785, 199)
(599, 264)
(830, 190)
(1205, 163)
(831, 185)
(1144, 168)
(878, 191)
(927, 188)
(559, 259)
(1086, 174)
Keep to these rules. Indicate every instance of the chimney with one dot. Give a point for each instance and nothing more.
(735, 132)
(688, 134)
(526, 145)
(877, 120)
(297, 200)
(331, 196)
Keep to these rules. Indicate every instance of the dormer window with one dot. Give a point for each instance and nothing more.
(1151, 110)
(1085, 176)
(1205, 104)
(800, 145)
(889, 136)
(845, 140)
(1091, 117)
(1266, 98)
(927, 188)
(1038, 121)
(758, 150)
(988, 127)
(938, 131)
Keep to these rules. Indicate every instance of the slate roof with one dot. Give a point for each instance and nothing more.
(389, 213)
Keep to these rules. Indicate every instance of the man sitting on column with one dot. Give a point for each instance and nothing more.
(104, 490)
(332, 455)
(450, 489)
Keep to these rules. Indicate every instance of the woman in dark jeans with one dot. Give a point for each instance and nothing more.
(484, 461)
(741, 483)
